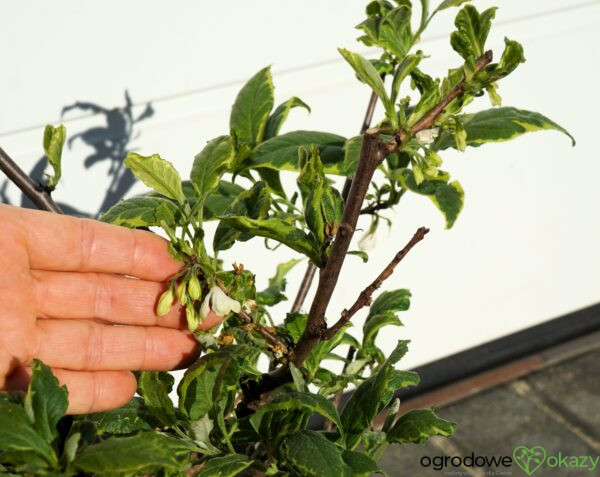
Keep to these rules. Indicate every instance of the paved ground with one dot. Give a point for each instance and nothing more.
(557, 408)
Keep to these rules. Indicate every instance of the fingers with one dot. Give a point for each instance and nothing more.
(112, 298)
(82, 345)
(88, 391)
(98, 390)
(115, 299)
(58, 242)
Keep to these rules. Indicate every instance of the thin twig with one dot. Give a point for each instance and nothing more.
(36, 192)
(272, 338)
(429, 119)
(304, 287)
(311, 268)
(365, 297)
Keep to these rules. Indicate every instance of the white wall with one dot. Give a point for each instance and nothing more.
(524, 250)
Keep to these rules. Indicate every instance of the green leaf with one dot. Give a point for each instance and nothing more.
(323, 204)
(46, 401)
(253, 203)
(204, 383)
(321, 349)
(70, 446)
(364, 256)
(451, 3)
(281, 152)
(217, 203)
(280, 114)
(360, 465)
(404, 69)
(273, 294)
(210, 164)
(418, 426)
(498, 124)
(428, 100)
(395, 33)
(390, 302)
(157, 173)
(371, 329)
(128, 419)
(512, 56)
(367, 73)
(201, 429)
(19, 441)
(374, 444)
(472, 31)
(447, 197)
(141, 453)
(154, 387)
(282, 270)
(297, 401)
(369, 399)
(310, 454)
(138, 212)
(278, 230)
(272, 178)
(226, 466)
(298, 379)
(294, 324)
(352, 149)
(250, 112)
(54, 140)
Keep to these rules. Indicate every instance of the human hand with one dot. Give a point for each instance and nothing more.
(63, 290)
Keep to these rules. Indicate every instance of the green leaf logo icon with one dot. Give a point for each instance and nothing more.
(529, 460)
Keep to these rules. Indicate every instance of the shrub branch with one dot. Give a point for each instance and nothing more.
(311, 269)
(372, 154)
(429, 119)
(365, 297)
(36, 192)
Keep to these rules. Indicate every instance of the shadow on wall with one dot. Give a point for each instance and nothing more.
(110, 143)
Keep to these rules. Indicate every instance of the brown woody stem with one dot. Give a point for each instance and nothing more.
(372, 153)
(371, 156)
(311, 269)
(36, 192)
(365, 297)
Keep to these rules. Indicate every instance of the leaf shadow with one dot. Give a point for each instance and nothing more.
(110, 141)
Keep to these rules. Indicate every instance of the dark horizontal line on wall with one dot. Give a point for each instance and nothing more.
(495, 354)
(306, 66)
(504, 350)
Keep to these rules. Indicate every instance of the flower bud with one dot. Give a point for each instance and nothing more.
(194, 288)
(418, 174)
(180, 291)
(193, 320)
(165, 302)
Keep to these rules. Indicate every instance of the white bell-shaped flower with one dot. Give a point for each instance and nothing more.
(427, 136)
(218, 301)
(368, 241)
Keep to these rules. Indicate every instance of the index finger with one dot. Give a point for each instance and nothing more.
(60, 243)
